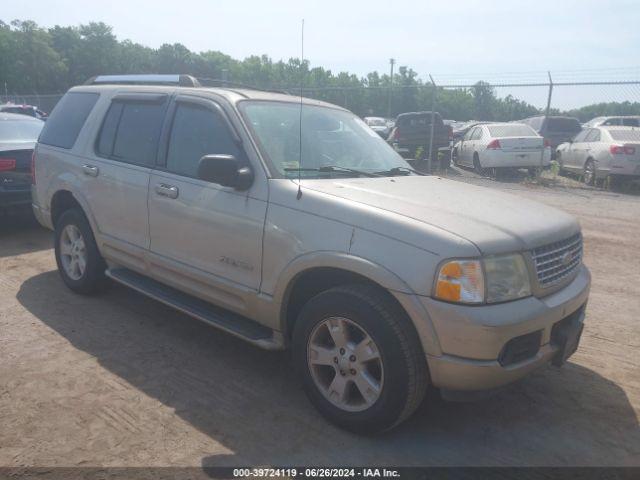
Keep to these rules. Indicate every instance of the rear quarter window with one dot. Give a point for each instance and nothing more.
(66, 120)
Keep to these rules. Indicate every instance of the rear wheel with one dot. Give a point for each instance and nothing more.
(79, 262)
(361, 363)
(590, 172)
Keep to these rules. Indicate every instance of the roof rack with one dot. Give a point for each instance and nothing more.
(146, 79)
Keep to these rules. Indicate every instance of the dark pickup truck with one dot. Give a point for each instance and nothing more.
(412, 132)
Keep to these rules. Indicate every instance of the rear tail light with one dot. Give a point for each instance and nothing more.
(494, 145)
(7, 164)
(33, 168)
(395, 134)
(547, 143)
(622, 150)
(450, 133)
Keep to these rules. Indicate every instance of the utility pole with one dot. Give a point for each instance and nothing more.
(225, 77)
(546, 116)
(392, 62)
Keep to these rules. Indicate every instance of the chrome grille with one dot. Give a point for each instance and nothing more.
(557, 260)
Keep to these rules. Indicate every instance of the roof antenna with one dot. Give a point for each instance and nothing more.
(299, 195)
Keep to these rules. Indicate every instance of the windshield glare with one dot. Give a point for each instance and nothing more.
(330, 137)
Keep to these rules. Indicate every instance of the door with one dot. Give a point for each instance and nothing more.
(582, 150)
(118, 170)
(568, 155)
(464, 148)
(206, 238)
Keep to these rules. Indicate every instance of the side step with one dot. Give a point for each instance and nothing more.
(218, 317)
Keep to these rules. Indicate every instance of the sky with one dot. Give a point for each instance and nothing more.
(457, 41)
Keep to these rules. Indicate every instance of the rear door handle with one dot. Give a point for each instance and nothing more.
(165, 190)
(90, 170)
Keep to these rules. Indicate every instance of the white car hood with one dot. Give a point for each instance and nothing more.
(494, 221)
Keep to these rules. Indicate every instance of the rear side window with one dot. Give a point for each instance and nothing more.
(593, 135)
(562, 124)
(631, 122)
(196, 132)
(130, 132)
(66, 120)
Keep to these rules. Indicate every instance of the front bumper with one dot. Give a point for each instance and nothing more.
(472, 338)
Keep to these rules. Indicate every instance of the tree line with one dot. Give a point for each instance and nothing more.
(38, 60)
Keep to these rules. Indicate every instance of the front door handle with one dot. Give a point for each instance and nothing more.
(90, 170)
(165, 190)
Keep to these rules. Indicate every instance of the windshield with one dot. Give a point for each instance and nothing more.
(330, 137)
(20, 130)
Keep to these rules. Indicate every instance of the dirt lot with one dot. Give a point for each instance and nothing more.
(121, 380)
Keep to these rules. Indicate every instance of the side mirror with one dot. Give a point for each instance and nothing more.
(225, 170)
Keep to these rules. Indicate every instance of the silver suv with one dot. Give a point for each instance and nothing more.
(288, 222)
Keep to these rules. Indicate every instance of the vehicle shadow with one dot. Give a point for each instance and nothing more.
(249, 401)
(20, 234)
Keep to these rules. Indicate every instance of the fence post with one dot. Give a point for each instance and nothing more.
(433, 117)
(546, 115)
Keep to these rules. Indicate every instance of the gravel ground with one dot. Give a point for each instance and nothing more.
(121, 380)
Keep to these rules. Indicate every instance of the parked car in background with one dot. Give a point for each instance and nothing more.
(601, 152)
(18, 136)
(412, 131)
(29, 110)
(378, 125)
(554, 129)
(460, 129)
(621, 120)
(500, 146)
(378, 281)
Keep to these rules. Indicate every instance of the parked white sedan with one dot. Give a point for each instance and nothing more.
(597, 153)
(501, 146)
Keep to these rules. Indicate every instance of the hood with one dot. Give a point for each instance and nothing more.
(494, 221)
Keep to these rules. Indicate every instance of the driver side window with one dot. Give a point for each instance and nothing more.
(196, 131)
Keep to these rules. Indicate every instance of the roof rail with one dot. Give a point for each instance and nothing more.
(146, 79)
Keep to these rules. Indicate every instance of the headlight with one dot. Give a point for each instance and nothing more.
(463, 281)
(460, 281)
(507, 278)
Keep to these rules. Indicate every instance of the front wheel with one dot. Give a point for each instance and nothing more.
(79, 262)
(361, 362)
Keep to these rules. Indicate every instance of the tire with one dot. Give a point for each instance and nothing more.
(398, 372)
(91, 278)
(590, 172)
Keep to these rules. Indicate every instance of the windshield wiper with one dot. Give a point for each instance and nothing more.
(401, 171)
(333, 169)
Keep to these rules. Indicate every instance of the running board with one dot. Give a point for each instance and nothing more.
(230, 322)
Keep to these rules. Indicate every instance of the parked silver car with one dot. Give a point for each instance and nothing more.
(288, 222)
(620, 120)
(601, 152)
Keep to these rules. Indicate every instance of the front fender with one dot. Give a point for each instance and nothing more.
(374, 272)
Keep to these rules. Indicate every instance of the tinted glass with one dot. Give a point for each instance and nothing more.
(20, 130)
(625, 135)
(108, 131)
(197, 132)
(631, 122)
(66, 120)
(562, 124)
(138, 132)
(512, 131)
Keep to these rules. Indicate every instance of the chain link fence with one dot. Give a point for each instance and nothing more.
(431, 124)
